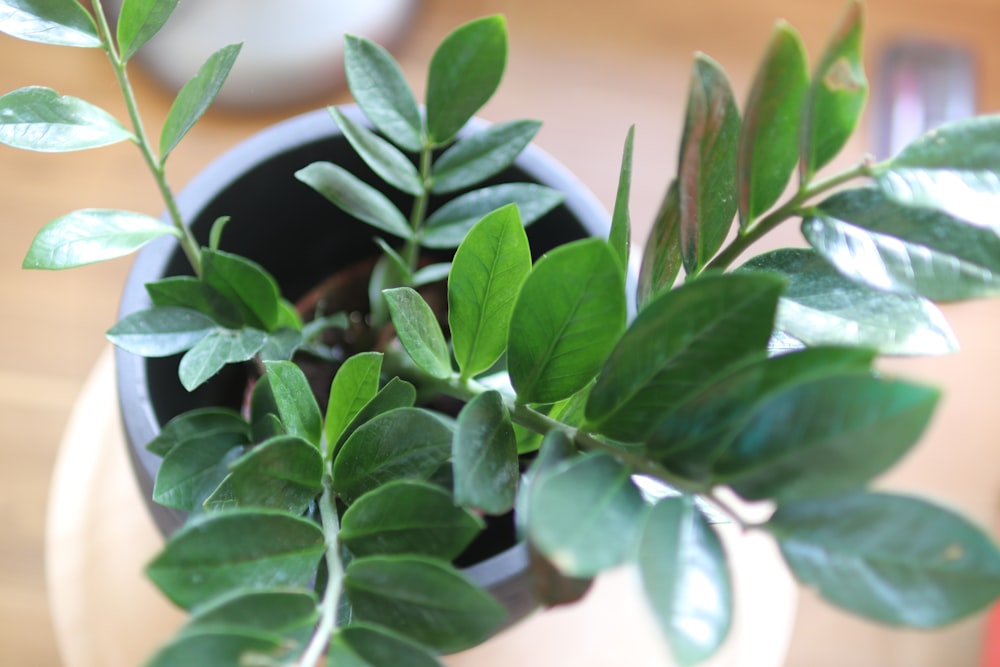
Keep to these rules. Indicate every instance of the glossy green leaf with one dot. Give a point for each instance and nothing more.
(567, 318)
(380, 89)
(190, 292)
(222, 646)
(39, 119)
(836, 95)
(139, 21)
(63, 23)
(419, 331)
(680, 341)
(197, 423)
(92, 235)
(391, 164)
(363, 645)
(196, 96)
(463, 74)
(194, 468)
(894, 559)
(281, 345)
(821, 307)
(405, 443)
(408, 517)
(160, 332)
(953, 168)
(621, 222)
(484, 456)
(584, 517)
(396, 393)
(424, 599)
(217, 349)
(431, 273)
(355, 197)
(286, 612)
(690, 438)
(686, 579)
(871, 239)
(661, 260)
(769, 140)
(238, 549)
(447, 226)
(486, 276)
(478, 156)
(294, 400)
(706, 170)
(246, 284)
(283, 473)
(825, 436)
(354, 385)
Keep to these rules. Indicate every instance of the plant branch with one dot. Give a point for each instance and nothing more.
(418, 213)
(327, 623)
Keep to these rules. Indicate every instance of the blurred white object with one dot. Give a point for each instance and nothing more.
(292, 49)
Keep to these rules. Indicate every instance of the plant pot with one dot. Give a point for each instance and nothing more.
(301, 239)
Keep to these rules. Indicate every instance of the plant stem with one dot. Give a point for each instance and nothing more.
(411, 252)
(327, 623)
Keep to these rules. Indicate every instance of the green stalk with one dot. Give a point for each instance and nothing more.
(411, 251)
(327, 623)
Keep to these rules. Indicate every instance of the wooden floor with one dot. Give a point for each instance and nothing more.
(588, 69)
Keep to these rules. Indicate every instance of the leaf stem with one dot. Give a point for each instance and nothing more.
(419, 211)
(327, 623)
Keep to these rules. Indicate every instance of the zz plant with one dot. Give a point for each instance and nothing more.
(331, 530)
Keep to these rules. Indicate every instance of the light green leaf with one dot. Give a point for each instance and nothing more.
(196, 423)
(283, 473)
(218, 553)
(487, 273)
(193, 469)
(895, 559)
(354, 385)
(484, 456)
(463, 74)
(686, 579)
(92, 235)
(567, 318)
(39, 119)
(363, 645)
(63, 23)
(770, 136)
(281, 344)
(190, 292)
(448, 225)
(386, 160)
(396, 393)
(160, 332)
(379, 88)
(431, 273)
(355, 197)
(246, 284)
(661, 260)
(195, 97)
(419, 331)
(217, 349)
(474, 158)
(621, 222)
(139, 21)
(294, 399)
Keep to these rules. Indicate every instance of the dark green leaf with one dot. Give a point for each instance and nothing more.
(707, 165)
(92, 235)
(405, 443)
(825, 436)
(196, 96)
(484, 456)
(363, 645)
(283, 473)
(354, 385)
(194, 468)
(419, 331)
(464, 72)
(160, 332)
(64, 23)
(408, 517)
(139, 21)
(217, 349)
(954, 168)
(39, 119)
(474, 158)
(584, 517)
(221, 646)
(294, 400)
(281, 611)
(897, 248)
(621, 222)
(822, 307)
(379, 88)
(355, 197)
(686, 579)
(567, 318)
(246, 284)
(680, 341)
(770, 136)
(894, 559)
(661, 260)
(237, 549)
(836, 95)
(396, 393)
(197, 423)
(422, 598)
(190, 292)
(487, 272)
(448, 225)
(386, 160)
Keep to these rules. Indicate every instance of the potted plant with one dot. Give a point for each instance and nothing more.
(330, 528)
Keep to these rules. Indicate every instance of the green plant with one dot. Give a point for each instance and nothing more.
(330, 531)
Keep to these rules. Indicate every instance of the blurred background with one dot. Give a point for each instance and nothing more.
(588, 69)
